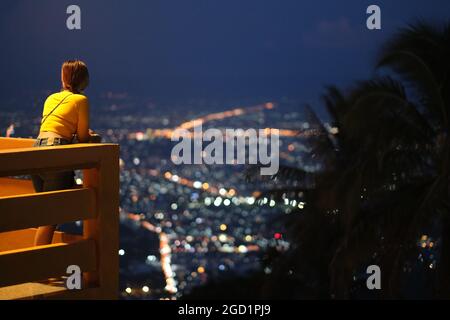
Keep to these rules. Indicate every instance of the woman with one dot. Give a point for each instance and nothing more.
(65, 116)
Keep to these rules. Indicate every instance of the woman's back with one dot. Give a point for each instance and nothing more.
(70, 117)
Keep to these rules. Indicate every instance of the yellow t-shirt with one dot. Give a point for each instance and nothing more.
(69, 118)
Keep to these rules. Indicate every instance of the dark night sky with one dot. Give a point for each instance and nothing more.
(200, 48)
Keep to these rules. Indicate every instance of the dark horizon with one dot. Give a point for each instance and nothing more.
(199, 49)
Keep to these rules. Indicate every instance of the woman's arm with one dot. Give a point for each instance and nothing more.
(83, 134)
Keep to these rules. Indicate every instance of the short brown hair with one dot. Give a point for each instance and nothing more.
(74, 76)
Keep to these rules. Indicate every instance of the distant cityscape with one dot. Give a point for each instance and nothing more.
(183, 226)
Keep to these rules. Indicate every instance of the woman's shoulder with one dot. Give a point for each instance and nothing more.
(80, 101)
(64, 95)
(78, 97)
(53, 96)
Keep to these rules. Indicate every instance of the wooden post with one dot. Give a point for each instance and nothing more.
(105, 228)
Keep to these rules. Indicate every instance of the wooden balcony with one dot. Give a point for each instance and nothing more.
(24, 268)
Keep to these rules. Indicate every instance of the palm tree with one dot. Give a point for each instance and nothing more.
(419, 57)
(385, 177)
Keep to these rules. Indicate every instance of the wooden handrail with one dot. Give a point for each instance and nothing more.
(45, 261)
(22, 161)
(13, 143)
(97, 204)
(21, 239)
(46, 208)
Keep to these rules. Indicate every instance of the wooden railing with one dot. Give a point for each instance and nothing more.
(96, 203)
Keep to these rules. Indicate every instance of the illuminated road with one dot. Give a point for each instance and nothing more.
(225, 114)
(164, 250)
(205, 186)
(168, 133)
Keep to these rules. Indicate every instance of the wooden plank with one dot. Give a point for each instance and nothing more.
(46, 159)
(42, 262)
(13, 240)
(84, 294)
(20, 239)
(10, 187)
(13, 143)
(37, 291)
(62, 237)
(29, 290)
(46, 208)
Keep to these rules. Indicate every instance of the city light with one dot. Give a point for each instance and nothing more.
(200, 269)
(218, 201)
(197, 185)
(242, 249)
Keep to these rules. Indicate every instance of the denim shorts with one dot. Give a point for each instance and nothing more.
(51, 181)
